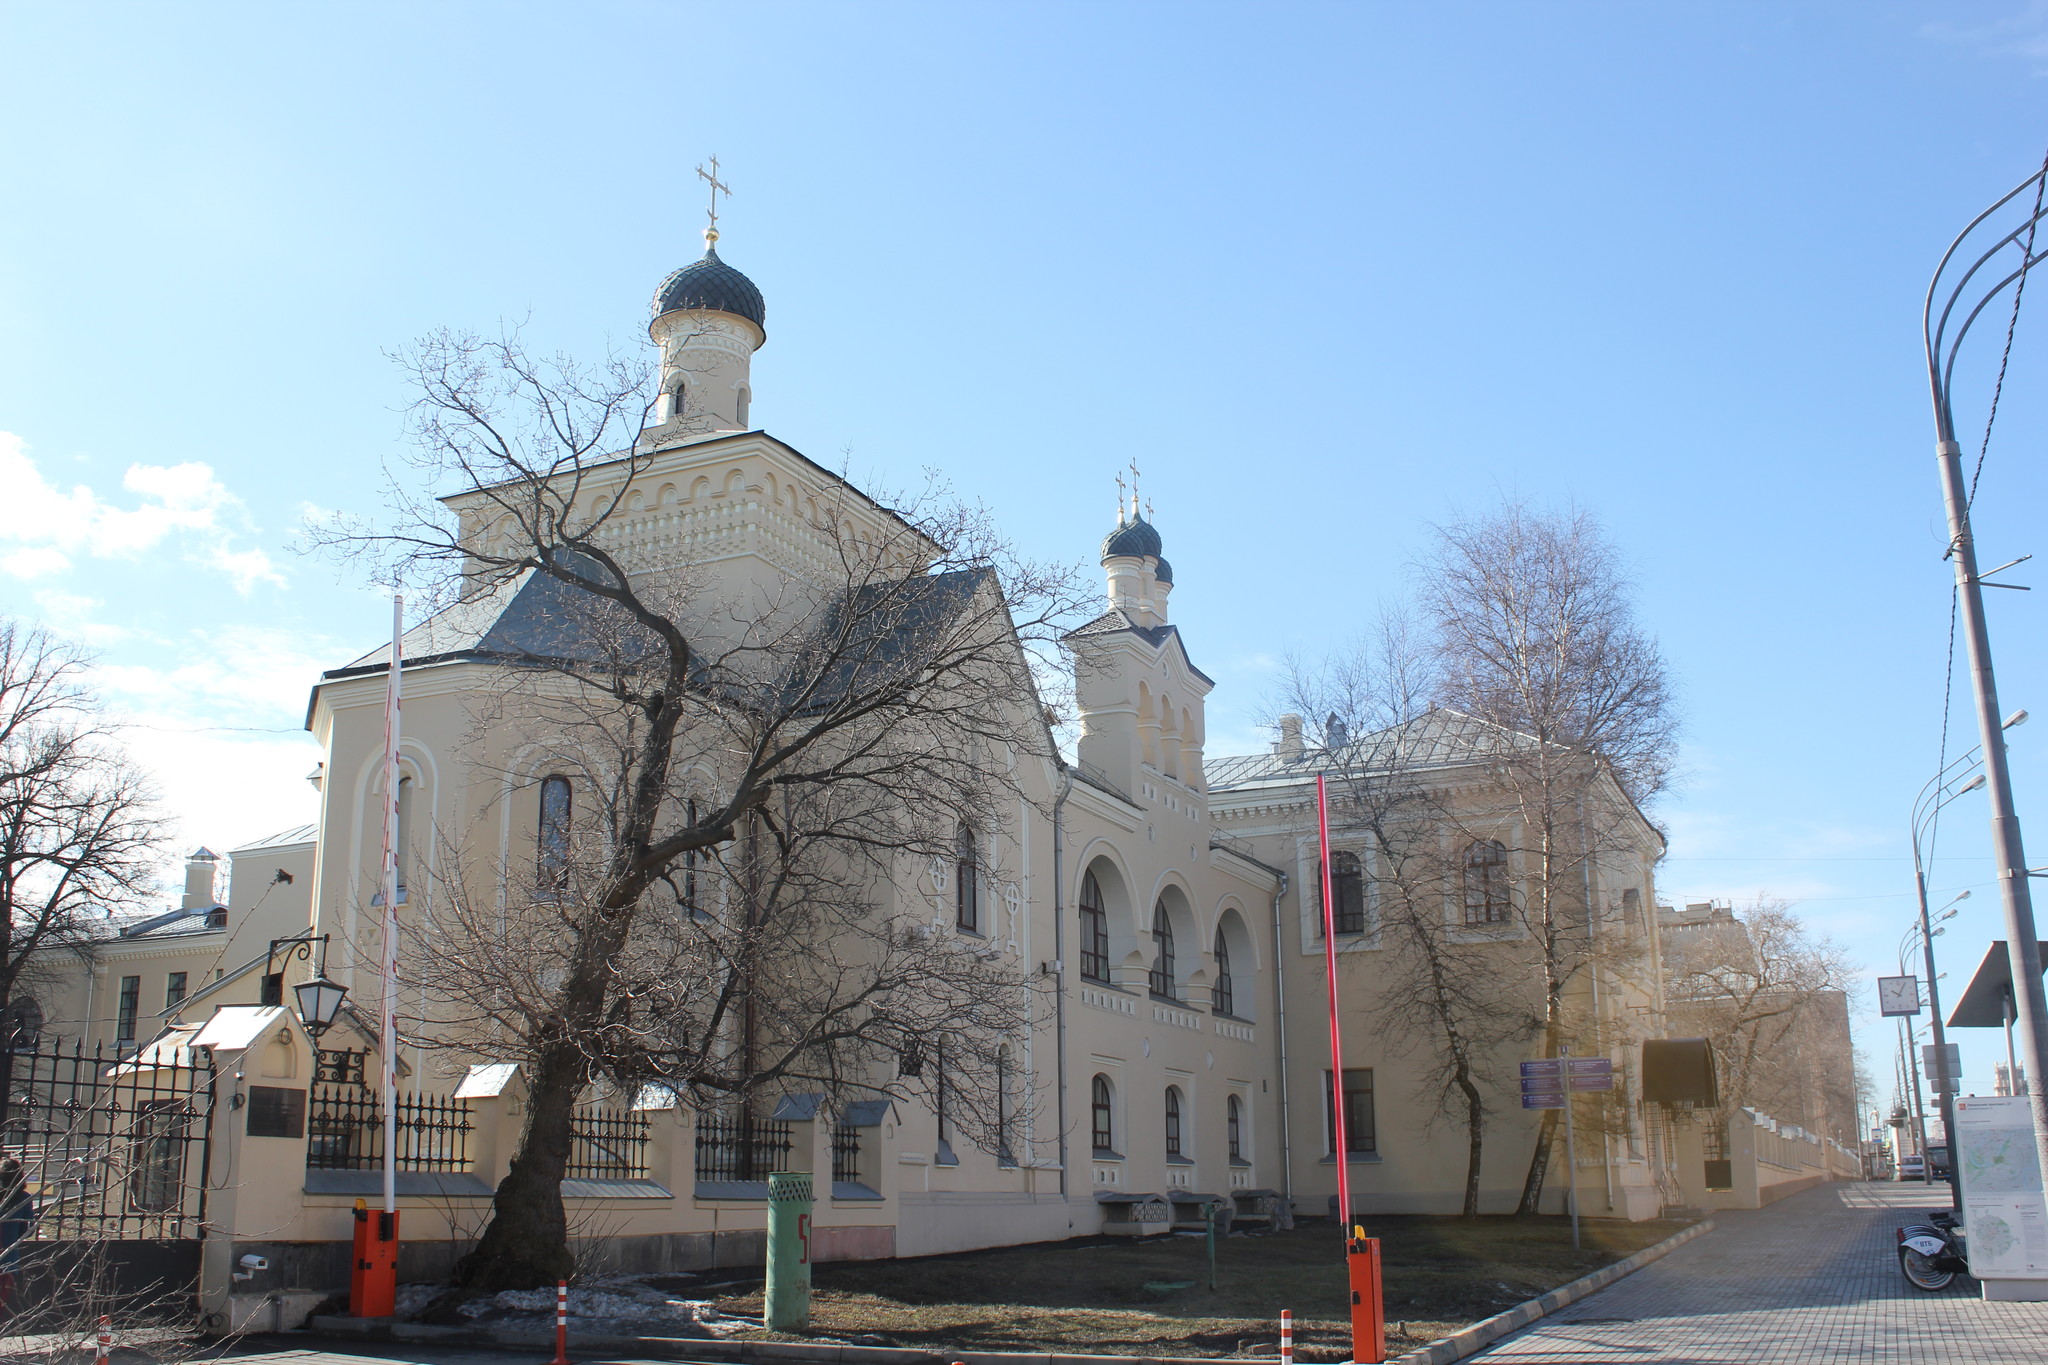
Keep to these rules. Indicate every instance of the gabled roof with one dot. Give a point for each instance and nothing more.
(1440, 738)
(1117, 621)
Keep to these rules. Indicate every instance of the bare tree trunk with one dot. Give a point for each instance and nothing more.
(527, 1241)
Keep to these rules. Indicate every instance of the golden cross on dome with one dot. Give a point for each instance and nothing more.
(718, 187)
(1134, 490)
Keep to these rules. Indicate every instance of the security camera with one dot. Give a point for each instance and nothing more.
(254, 1262)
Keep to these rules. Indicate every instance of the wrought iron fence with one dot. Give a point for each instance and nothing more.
(741, 1148)
(608, 1144)
(845, 1152)
(112, 1146)
(345, 1131)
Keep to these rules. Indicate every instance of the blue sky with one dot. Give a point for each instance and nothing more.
(1327, 272)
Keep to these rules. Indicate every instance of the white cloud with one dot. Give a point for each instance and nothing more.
(183, 503)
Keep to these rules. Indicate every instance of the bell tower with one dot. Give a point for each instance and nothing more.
(708, 320)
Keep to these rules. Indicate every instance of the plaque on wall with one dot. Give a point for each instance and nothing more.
(276, 1112)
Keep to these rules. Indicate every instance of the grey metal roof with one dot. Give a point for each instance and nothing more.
(1136, 538)
(711, 284)
(284, 838)
(1436, 739)
(1116, 620)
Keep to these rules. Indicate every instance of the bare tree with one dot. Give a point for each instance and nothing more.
(80, 836)
(762, 770)
(1533, 623)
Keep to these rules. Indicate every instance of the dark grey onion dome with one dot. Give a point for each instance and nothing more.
(714, 285)
(1136, 539)
(1164, 573)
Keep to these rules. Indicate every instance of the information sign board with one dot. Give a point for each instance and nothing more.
(2001, 1176)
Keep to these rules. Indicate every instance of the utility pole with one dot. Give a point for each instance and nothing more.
(1962, 303)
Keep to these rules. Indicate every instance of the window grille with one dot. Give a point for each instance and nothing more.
(845, 1153)
(741, 1148)
(1094, 931)
(607, 1144)
(1486, 882)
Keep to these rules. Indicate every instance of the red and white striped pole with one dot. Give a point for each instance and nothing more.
(1286, 1336)
(105, 1346)
(1343, 1150)
(561, 1323)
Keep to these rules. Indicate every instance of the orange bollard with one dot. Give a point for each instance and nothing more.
(1286, 1336)
(1368, 1309)
(561, 1323)
(373, 1276)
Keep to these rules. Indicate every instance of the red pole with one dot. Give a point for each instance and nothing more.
(105, 1346)
(1286, 1337)
(1343, 1152)
(561, 1323)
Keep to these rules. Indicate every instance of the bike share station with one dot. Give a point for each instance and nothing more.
(1997, 1226)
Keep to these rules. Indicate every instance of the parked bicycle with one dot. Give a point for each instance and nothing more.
(1933, 1253)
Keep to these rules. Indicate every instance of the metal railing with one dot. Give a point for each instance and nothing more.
(845, 1153)
(608, 1144)
(741, 1148)
(345, 1131)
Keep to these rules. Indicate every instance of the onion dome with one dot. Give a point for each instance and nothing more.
(1164, 573)
(713, 285)
(1134, 538)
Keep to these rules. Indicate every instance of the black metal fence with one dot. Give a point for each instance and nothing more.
(608, 1144)
(112, 1148)
(741, 1148)
(345, 1130)
(845, 1152)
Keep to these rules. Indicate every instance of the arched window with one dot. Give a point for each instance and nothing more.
(1162, 952)
(1094, 931)
(966, 881)
(402, 846)
(1233, 1126)
(1101, 1116)
(1347, 892)
(1173, 1140)
(1226, 989)
(1486, 882)
(1631, 909)
(675, 402)
(554, 835)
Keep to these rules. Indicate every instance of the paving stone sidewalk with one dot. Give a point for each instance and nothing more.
(1811, 1280)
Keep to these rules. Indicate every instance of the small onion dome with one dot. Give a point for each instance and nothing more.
(713, 285)
(1135, 538)
(1164, 573)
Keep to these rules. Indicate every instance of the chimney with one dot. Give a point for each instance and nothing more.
(1289, 746)
(199, 871)
(1336, 734)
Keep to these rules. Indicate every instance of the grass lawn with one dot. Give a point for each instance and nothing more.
(1092, 1295)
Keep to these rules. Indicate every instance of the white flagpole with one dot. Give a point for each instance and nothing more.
(388, 1033)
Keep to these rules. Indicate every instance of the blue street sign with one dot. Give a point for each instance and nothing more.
(1544, 1101)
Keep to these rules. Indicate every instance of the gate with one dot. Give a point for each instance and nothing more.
(112, 1154)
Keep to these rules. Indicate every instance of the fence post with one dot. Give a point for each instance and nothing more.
(788, 1299)
(1286, 1336)
(561, 1323)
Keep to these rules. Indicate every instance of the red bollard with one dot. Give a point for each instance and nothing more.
(105, 1346)
(1286, 1336)
(561, 1323)
(1368, 1310)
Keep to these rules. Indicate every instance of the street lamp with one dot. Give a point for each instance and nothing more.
(319, 1002)
(1955, 300)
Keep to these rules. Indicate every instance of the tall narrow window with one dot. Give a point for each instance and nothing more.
(174, 990)
(966, 881)
(1162, 952)
(1631, 909)
(1003, 1106)
(1226, 987)
(1486, 882)
(1094, 931)
(1347, 892)
(1173, 1138)
(554, 835)
(690, 862)
(402, 845)
(1233, 1126)
(1360, 1136)
(130, 1005)
(1101, 1117)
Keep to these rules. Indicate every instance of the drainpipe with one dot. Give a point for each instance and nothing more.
(1059, 964)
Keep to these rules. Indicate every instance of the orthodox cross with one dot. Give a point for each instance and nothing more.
(1134, 490)
(1119, 499)
(718, 187)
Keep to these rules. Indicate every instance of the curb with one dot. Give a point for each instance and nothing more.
(1486, 1331)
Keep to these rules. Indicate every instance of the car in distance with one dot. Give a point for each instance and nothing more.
(1913, 1167)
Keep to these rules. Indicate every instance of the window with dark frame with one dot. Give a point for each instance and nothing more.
(1360, 1135)
(174, 990)
(1233, 1126)
(1486, 882)
(129, 1006)
(1226, 988)
(1173, 1140)
(1094, 931)
(966, 881)
(554, 834)
(1163, 974)
(1101, 1116)
(1347, 892)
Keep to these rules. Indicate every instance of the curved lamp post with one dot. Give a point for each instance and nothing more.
(1956, 297)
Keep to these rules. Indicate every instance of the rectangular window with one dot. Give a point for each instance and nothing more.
(1360, 1136)
(130, 1006)
(174, 991)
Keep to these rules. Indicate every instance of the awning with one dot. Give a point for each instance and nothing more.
(1983, 1001)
